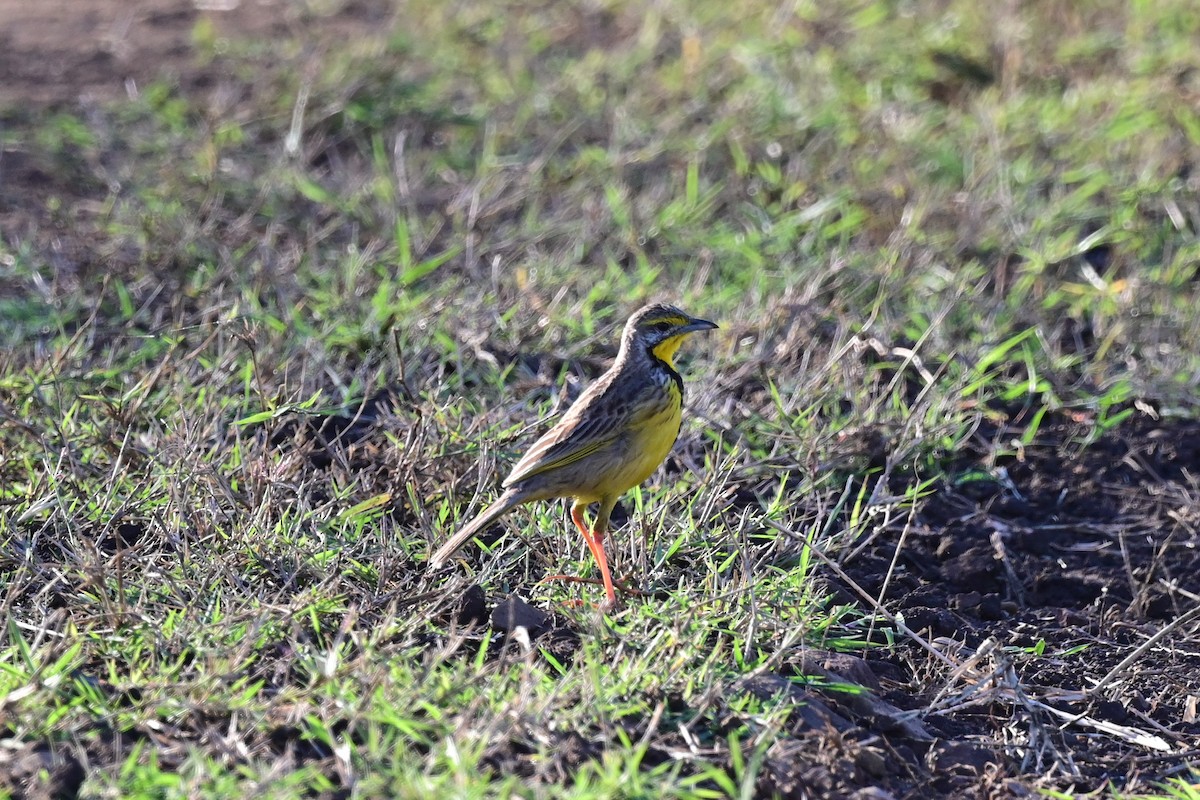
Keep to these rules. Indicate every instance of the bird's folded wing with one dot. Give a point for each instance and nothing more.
(569, 441)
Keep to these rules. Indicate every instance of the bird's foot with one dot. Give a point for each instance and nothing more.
(623, 587)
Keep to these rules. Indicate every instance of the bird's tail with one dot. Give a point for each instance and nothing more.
(504, 503)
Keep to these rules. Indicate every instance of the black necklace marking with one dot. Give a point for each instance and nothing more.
(663, 365)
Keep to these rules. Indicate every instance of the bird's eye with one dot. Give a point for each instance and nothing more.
(662, 326)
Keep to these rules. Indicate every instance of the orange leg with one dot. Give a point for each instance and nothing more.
(595, 543)
(577, 518)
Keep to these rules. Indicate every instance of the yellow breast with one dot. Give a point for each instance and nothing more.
(652, 439)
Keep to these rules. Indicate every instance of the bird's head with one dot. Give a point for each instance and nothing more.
(660, 329)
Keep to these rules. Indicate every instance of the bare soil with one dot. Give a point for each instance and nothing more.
(63, 52)
(1054, 564)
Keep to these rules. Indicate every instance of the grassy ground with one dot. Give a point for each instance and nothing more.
(267, 341)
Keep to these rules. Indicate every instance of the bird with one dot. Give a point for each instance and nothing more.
(611, 438)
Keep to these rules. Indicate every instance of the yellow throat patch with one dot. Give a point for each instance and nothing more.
(667, 349)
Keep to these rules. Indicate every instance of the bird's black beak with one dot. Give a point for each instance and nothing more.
(698, 325)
